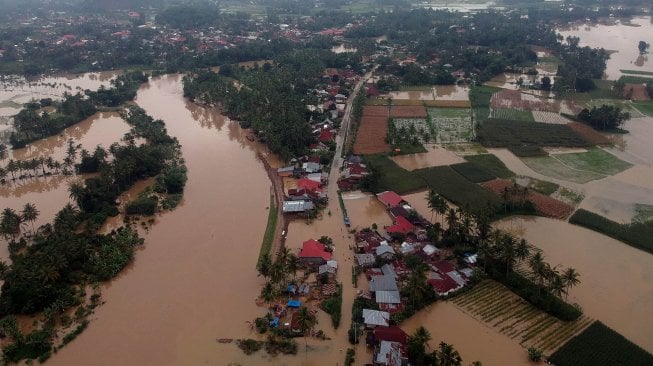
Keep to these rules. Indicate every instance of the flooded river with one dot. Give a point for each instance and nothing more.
(619, 37)
(615, 278)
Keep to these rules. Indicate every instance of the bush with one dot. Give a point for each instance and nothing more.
(142, 206)
(250, 346)
(32, 346)
(333, 307)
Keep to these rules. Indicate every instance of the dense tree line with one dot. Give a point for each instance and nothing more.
(123, 89)
(579, 66)
(605, 117)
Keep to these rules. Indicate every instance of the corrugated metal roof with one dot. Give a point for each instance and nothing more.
(383, 283)
(375, 317)
(388, 297)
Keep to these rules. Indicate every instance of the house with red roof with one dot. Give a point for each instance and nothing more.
(307, 184)
(390, 334)
(401, 226)
(326, 135)
(390, 199)
(313, 253)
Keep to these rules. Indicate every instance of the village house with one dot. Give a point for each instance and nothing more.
(313, 253)
(300, 206)
(390, 199)
(385, 252)
(401, 226)
(390, 354)
(375, 318)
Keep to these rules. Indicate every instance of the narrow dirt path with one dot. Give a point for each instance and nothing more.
(277, 190)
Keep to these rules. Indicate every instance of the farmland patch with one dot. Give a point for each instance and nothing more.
(452, 125)
(495, 305)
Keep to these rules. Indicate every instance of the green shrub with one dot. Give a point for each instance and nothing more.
(142, 206)
(333, 306)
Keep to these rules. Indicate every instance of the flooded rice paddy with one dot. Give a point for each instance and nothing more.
(438, 92)
(435, 156)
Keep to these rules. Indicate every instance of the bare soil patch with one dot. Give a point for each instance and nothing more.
(375, 111)
(408, 112)
(545, 205)
(371, 136)
(588, 133)
(636, 92)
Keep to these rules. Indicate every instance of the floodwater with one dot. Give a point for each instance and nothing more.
(50, 194)
(474, 340)
(438, 92)
(21, 90)
(343, 48)
(435, 156)
(615, 278)
(619, 37)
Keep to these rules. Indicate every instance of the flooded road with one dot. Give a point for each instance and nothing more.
(619, 37)
(615, 278)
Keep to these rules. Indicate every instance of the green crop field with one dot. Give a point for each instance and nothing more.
(636, 72)
(512, 114)
(452, 124)
(502, 133)
(644, 107)
(492, 164)
(598, 345)
(393, 177)
(547, 165)
(594, 160)
(456, 188)
(473, 172)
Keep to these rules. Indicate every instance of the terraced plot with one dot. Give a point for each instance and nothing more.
(495, 305)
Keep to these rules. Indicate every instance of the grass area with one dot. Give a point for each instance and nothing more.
(268, 237)
(546, 165)
(449, 112)
(392, 177)
(643, 213)
(492, 164)
(473, 172)
(604, 90)
(480, 96)
(636, 72)
(541, 186)
(549, 59)
(625, 105)
(501, 309)
(502, 133)
(599, 345)
(10, 104)
(645, 107)
(456, 188)
(466, 148)
(636, 234)
(630, 79)
(594, 160)
(512, 114)
(571, 196)
(333, 306)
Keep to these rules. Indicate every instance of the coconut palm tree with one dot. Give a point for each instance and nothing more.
(507, 251)
(306, 321)
(431, 199)
(538, 269)
(9, 223)
(76, 191)
(3, 174)
(571, 279)
(522, 250)
(30, 214)
(292, 264)
(264, 265)
(557, 284)
(417, 345)
(448, 356)
(12, 168)
(452, 221)
(267, 293)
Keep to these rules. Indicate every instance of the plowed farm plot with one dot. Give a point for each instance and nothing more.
(371, 136)
(408, 112)
(495, 305)
(375, 111)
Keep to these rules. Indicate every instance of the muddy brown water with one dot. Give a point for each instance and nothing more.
(474, 340)
(615, 278)
(435, 156)
(439, 92)
(619, 37)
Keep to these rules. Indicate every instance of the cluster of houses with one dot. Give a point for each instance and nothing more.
(353, 172)
(381, 258)
(308, 184)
